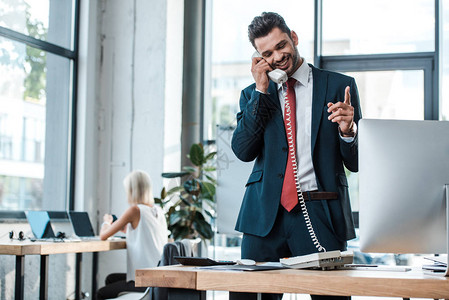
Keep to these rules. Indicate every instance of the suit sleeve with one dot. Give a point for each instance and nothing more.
(256, 109)
(350, 151)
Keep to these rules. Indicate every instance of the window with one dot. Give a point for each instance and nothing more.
(38, 67)
(396, 94)
(231, 51)
(374, 27)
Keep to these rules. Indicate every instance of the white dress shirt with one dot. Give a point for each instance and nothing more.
(304, 96)
(303, 92)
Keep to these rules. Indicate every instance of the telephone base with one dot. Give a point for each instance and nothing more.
(324, 260)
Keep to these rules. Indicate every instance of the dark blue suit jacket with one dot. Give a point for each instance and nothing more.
(260, 135)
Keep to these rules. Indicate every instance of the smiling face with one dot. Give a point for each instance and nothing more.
(279, 50)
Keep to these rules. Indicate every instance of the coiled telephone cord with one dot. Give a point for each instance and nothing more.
(292, 153)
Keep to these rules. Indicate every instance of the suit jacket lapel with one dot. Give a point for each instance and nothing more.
(318, 101)
(272, 90)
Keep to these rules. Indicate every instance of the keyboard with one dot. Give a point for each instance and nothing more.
(201, 261)
(89, 238)
(46, 239)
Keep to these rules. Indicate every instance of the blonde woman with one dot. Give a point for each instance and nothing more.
(146, 234)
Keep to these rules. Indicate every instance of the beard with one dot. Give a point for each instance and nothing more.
(295, 59)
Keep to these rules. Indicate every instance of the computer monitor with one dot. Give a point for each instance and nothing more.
(403, 170)
(40, 224)
(81, 224)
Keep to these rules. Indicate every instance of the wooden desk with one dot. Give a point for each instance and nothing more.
(44, 249)
(409, 284)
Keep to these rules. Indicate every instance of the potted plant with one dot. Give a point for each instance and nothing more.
(191, 203)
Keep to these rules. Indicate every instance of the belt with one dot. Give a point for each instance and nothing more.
(316, 195)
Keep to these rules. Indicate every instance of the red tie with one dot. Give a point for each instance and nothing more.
(289, 196)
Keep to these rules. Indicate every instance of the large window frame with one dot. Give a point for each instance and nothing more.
(426, 61)
(72, 55)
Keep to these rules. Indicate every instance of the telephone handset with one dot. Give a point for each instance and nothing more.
(277, 75)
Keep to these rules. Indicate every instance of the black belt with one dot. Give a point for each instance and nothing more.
(316, 195)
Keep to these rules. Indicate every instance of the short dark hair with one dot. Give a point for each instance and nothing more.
(263, 24)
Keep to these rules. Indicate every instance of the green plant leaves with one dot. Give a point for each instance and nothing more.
(174, 190)
(202, 227)
(189, 216)
(175, 174)
(209, 156)
(192, 187)
(158, 201)
(185, 201)
(196, 154)
(209, 169)
(180, 232)
(163, 193)
(207, 190)
(190, 169)
(178, 216)
(211, 179)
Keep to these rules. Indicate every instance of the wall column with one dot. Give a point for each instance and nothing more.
(193, 76)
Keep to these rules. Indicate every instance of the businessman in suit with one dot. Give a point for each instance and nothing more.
(300, 151)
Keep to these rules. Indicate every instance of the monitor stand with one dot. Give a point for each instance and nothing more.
(443, 260)
(446, 188)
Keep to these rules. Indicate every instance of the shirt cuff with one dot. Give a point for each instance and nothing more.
(349, 139)
(261, 92)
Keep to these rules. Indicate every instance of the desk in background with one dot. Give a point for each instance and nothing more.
(44, 249)
(409, 284)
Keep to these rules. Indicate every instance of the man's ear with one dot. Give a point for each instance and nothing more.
(294, 38)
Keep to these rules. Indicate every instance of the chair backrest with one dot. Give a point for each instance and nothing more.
(185, 247)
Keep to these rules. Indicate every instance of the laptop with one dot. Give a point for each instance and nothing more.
(40, 225)
(82, 226)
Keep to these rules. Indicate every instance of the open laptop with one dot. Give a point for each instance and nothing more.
(40, 225)
(82, 226)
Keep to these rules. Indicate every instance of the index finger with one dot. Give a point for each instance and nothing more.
(347, 96)
(256, 60)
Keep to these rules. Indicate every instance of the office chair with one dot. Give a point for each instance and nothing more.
(185, 247)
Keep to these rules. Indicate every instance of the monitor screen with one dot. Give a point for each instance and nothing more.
(403, 169)
(81, 223)
(40, 224)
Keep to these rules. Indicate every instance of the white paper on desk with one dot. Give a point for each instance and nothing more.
(271, 264)
(434, 267)
(362, 267)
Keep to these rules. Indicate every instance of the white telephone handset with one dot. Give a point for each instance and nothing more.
(277, 75)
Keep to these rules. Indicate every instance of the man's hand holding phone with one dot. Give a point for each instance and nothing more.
(259, 68)
(262, 72)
